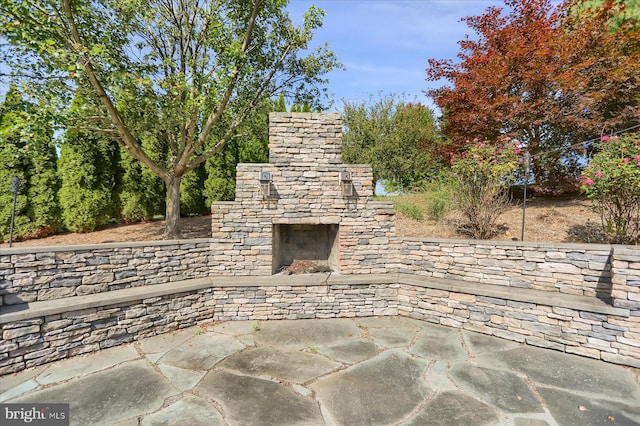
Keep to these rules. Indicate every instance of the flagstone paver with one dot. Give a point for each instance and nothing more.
(375, 371)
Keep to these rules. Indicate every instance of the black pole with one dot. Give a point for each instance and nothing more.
(15, 188)
(13, 213)
(524, 199)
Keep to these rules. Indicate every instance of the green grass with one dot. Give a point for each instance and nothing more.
(409, 209)
(434, 201)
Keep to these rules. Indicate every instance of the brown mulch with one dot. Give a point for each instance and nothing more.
(546, 220)
(192, 227)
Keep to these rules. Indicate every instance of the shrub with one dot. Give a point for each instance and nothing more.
(483, 174)
(438, 199)
(612, 181)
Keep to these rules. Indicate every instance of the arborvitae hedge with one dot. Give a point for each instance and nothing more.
(87, 167)
(27, 151)
(192, 201)
(141, 192)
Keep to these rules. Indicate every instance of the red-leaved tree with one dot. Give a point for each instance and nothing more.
(549, 76)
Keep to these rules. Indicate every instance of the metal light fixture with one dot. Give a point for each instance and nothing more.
(265, 185)
(346, 184)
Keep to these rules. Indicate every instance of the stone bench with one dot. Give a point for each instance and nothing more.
(39, 332)
(582, 325)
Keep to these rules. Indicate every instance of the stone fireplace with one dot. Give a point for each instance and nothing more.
(305, 204)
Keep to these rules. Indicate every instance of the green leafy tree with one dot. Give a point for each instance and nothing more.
(44, 208)
(27, 152)
(622, 12)
(251, 145)
(140, 191)
(88, 169)
(398, 139)
(612, 181)
(194, 60)
(13, 162)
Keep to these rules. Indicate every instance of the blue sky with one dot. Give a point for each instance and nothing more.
(385, 44)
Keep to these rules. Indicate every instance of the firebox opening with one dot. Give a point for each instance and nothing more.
(317, 243)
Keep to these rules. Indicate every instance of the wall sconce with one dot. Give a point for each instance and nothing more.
(346, 184)
(265, 185)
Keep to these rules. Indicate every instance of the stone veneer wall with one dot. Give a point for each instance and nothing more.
(612, 338)
(49, 273)
(36, 341)
(582, 269)
(305, 159)
(626, 281)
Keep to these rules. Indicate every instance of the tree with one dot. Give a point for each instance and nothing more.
(250, 146)
(280, 105)
(27, 151)
(533, 74)
(194, 60)
(505, 80)
(620, 13)
(398, 139)
(88, 169)
(601, 63)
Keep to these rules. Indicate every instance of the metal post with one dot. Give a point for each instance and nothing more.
(524, 199)
(15, 188)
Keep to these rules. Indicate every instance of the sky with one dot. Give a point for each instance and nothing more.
(385, 44)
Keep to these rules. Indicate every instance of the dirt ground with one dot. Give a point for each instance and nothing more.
(546, 220)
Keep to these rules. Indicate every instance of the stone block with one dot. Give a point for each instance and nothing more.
(621, 359)
(99, 278)
(56, 293)
(19, 332)
(91, 289)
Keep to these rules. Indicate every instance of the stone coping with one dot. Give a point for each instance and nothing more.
(133, 244)
(632, 251)
(510, 243)
(12, 313)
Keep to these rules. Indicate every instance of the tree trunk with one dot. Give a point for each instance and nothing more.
(172, 222)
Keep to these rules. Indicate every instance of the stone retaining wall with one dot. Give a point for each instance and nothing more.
(38, 273)
(582, 269)
(611, 337)
(48, 273)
